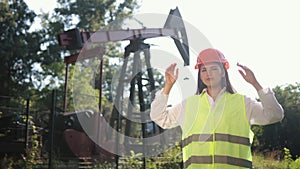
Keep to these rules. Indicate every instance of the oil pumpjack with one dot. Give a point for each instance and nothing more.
(141, 86)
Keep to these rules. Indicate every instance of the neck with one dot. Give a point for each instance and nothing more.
(214, 91)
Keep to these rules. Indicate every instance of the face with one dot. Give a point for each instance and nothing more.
(211, 74)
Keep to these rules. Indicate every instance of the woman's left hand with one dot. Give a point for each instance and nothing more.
(249, 76)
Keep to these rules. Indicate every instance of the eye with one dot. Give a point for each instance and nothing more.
(203, 70)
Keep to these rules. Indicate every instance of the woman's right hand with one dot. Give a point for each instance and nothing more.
(170, 76)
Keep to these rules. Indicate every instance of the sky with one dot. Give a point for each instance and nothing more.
(263, 35)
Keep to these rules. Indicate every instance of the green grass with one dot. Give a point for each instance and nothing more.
(261, 162)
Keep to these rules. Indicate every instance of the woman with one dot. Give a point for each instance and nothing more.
(216, 121)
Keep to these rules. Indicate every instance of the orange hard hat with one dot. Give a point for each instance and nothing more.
(211, 55)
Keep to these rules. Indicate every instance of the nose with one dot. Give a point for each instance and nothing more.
(209, 72)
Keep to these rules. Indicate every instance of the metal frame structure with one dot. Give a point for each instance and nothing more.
(73, 39)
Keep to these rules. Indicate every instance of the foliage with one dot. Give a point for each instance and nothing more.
(19, 48)
(89, 16)
(287, 158)
(93, 14)
(33, 66)
(34, 144)
(276, 136)
(289, 162)
(32, 154)
(261, 162)
(289, 98)
(295, 164)
(33, 60)
(85, 95)
(172, 158)
(9, 162)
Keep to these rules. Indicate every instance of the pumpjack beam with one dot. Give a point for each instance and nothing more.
(174, 28)
(85, 54)
(132, 34)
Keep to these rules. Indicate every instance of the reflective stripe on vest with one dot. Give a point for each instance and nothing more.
(218, 159)
(216, 137)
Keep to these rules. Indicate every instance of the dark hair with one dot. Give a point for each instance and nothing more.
(225, 82)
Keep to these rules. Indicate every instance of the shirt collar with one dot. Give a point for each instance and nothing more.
(204, 91)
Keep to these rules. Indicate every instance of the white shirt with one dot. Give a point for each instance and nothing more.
(267, 111)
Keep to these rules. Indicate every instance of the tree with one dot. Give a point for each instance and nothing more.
(93, 14)
(284, 134)
(85, 15)
(18, 50)
(289, 98)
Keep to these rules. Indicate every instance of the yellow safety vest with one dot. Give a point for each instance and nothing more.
(216, 138)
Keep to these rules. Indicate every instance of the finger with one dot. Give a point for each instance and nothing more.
(242, 73)
(170, 72)
(170, 68)
(173, 67)
(176, 75)
(243, 67)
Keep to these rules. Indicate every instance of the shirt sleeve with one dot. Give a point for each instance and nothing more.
(267, 111)
(164, 116)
